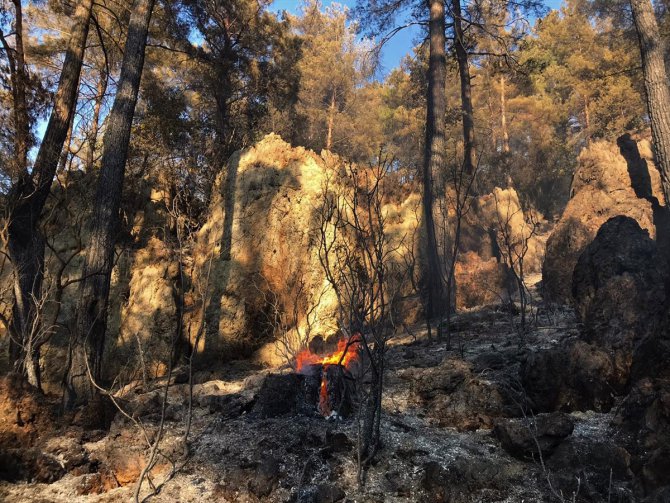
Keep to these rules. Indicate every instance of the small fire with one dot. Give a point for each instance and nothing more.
(347, 353)
(324, 406)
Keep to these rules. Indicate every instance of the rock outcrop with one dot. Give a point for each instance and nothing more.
(496, 234)
(611, 180)
(260, 239)
(465, 396)
(257, 251)
(618, 286)
(261, 236)
(577, 376)
(528, 438)
(620, 294)
(591, 469)
(643, 423)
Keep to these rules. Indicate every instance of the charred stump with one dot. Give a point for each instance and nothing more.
(287, 394)
(327, 390)
(336, 392)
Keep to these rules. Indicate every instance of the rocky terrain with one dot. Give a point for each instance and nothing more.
(458, 426)
(256, 245)
(610, 180)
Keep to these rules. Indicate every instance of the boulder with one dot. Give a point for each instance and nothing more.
(29, 465)
(444, 379)
(466, 479)
(592, 468)
(67, 451)
(656, 470)
(476, 404)
(527, 438)
(328, 493)
(229, 406)
(456, 396)
(338, 442)
(643, 423)
(491, 360)
(652, 354)
(435, 482)
(122, 453)
(610, 180)
(576, 376)
(618, 286)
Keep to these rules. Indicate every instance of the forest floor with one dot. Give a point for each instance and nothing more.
(437, 435)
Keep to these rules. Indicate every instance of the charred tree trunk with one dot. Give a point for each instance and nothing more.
(28, 196)
(331, 121)
(503, 116)
(18, 79)
(469, 153)
(652, 50)
(67, 149)
(95, 121)
(587, 120)
(221, 120)
(433, 162)
(22, 131)
(221, 88)
(94, 289)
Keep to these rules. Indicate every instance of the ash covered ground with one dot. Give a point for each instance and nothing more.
(458, 426)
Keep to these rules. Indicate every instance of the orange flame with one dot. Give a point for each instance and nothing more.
(324, 403)
(346, 354)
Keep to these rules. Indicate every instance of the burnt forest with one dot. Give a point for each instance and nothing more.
(335, 251)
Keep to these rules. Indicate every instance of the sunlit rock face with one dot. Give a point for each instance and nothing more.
(496, 233)
(148, 321)
(257, 249)
(611, 180)
(141, 306)
(260, 239)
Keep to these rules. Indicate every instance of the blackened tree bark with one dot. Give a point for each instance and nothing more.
(18, 78)
(95, 121)
(469, 153)
(66, 151)
(28, 197)
(503, 116)
(331, 120)
(434, 151)
(94, 289)
(652, 50)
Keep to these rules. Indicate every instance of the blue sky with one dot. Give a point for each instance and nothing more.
(397, 47)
